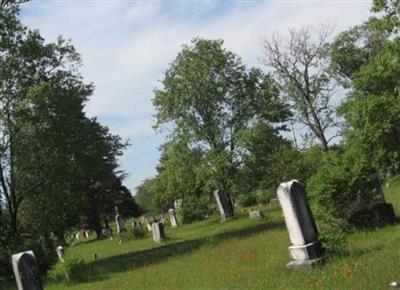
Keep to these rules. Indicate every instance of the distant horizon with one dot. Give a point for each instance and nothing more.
(127, 46)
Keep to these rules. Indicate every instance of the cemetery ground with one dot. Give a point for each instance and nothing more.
(238, 254)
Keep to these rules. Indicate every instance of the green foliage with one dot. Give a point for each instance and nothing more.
(133, 234)
(195, 208)
(72, 270)
(209, 96)
(264, 196)
(339, 192)
(247, 199)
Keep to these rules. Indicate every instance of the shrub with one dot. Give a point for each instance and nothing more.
(133, 234)
(71, 270)
(247, 199)
(339, 192)
(263, 197)
(194, 208)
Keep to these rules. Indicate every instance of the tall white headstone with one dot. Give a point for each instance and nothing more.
(120, 224)
(60, 253)
(158, 232)
(225, 204)
(26, 271)
(306, 249)
(172, 217)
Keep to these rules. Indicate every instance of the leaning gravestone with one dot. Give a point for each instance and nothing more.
(306, 249)
(225, 205)
(26, 271)
(60, 253)
(119, 222)
(172, 217)
(147, 224)
(158, 232)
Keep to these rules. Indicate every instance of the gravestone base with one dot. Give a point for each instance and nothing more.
(256, 214)
(304, 265)
(383, 213)
(306, 252)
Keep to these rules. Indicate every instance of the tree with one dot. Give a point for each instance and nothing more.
(371, 107)
(25, 61)
(209, 97)
(302, 68)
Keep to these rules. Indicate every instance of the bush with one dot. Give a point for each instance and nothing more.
(263, 197)
(133, 234)
(339, 192)
(247, 199)
(194, 208)
(71, 270)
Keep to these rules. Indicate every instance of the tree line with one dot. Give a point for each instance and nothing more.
(237, 128)
(58, 167)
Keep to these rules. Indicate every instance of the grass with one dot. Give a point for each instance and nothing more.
(238, 254)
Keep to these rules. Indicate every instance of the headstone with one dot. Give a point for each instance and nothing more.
(87, 233)
(306, 249)
(135, 224)
(147, 224)
(158, 232)
(107, 231)
(256, 214)
(77, 236)
(81, 234)
(225, 205)
(172, 217)
(178, 203)
(60, 253)
(274, 201)
(26, 271)
(381, 214)
(120, 224)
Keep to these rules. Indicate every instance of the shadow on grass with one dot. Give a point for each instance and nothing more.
(101, 268)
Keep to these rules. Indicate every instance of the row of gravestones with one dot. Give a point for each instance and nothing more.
(306, 249)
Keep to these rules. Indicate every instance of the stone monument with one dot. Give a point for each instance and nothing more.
(225, 204)
(119, 222)
(158, 232)
(256, 214)
(26, 271)
(60, 253)
(172, 218)
(306, 249)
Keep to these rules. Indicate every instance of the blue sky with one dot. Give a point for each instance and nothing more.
(127, 45)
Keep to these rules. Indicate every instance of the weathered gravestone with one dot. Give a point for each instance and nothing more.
(135, 224)
(306, 249)
(178, 203)
(158, 232)
(119, 222)
(256, 214)
(172, 217)
(60, 253)
(225, 204)
(26, 271)
(147, 224)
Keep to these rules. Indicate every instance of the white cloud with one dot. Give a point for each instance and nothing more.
(127, 45)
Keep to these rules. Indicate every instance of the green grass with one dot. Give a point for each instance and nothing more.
(238, 254)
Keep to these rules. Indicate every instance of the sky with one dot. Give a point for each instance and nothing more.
(127, 46)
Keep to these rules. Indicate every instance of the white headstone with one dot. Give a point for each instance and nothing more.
(60, 253)
(120, 224)
(306, 249)
(225, 204)
(158, 232)
(26, 271)
(172, 217)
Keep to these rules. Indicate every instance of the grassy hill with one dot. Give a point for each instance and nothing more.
(238, 254)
